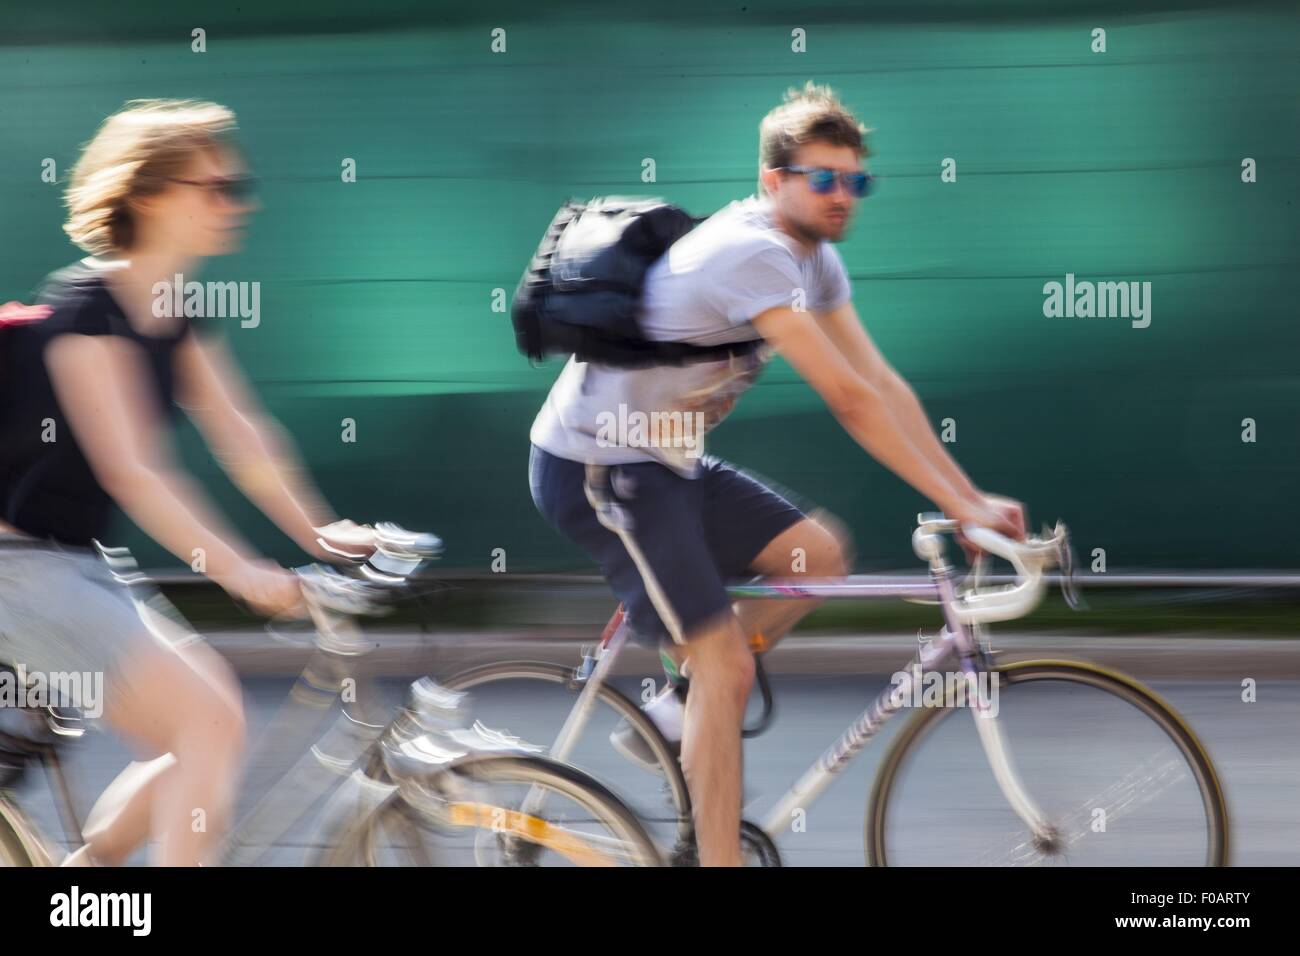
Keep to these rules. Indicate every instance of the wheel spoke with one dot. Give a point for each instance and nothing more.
(1138, 787)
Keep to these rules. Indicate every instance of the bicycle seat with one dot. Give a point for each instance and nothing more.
(30, 730)
(21, 741)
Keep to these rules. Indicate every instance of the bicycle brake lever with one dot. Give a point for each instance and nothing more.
(395, 539)
(332, 591)
(1065, 561)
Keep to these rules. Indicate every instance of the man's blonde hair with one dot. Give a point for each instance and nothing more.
(136, 152)
(811, 115)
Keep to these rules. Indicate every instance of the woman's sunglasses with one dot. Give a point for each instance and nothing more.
(822, 180)
(234, 189)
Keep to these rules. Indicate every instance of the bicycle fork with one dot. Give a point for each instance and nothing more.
(957, 638)
(595, 669)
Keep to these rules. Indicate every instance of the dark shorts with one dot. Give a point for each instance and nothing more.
(667, 545)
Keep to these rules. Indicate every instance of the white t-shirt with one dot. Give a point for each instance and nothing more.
(706, 290)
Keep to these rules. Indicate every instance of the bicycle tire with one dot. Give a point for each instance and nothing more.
(13, 850)
(1021, 672)
(356, 846)
(355, 843)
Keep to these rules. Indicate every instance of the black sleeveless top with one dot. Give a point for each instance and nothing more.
(47, 488)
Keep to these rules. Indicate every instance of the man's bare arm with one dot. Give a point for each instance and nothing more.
(843, 327)
(861, 410)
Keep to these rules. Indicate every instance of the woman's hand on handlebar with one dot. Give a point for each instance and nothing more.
(264, 586)
(344, 541)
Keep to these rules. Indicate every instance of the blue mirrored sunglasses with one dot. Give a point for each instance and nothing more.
(822, 180)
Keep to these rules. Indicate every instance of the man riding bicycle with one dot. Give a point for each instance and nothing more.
(669, 525)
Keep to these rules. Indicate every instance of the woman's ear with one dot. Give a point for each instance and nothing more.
(141, 205)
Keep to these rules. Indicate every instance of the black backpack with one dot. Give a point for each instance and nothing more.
(581, 293)
(13, 314)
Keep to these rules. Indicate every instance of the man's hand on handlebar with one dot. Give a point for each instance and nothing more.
(995, 512)
(1012, 510)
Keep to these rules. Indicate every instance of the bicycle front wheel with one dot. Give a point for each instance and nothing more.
(18, 840)
(1116, 773)
(482, 812)
(535, 699)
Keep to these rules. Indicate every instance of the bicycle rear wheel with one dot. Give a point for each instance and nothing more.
(476, 814)
(1115, 770)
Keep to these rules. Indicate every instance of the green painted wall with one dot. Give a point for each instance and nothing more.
(376, 296)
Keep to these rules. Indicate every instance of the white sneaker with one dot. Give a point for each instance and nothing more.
(666, 711)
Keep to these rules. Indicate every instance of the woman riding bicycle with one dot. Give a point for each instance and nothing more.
(86, 401)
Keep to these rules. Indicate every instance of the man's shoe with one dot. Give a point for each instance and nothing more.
(665, 712)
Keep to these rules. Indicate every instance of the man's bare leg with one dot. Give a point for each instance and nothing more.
(817, 547)
(722, 671)
(719, 663)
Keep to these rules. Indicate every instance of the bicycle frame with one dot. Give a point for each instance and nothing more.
(955, 640)
(320, 767)
(285, 804)
(327, 764)
(352, 738)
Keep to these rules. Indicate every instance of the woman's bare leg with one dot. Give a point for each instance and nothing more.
(186, 705)
(121, 819)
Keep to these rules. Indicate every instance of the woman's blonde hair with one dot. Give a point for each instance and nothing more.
(134, 153)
